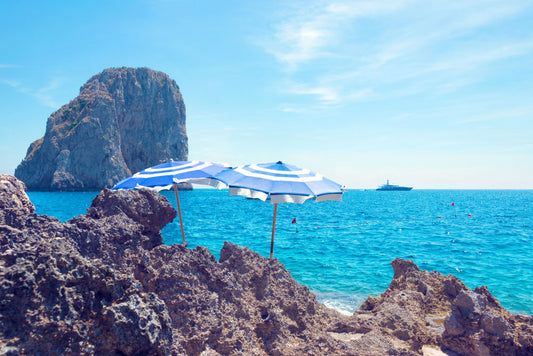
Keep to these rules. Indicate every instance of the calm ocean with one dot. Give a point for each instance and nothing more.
(342, 250)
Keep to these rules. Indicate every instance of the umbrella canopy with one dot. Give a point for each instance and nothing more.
(165, 175)
(169, 174)
(282, 183)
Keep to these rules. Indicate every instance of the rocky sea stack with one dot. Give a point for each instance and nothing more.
(123, 121)
(103, 283)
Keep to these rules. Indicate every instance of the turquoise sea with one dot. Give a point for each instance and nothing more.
(342, 250)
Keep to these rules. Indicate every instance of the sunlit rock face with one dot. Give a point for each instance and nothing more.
(123, 121)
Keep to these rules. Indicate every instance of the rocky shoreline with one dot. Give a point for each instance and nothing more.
(104, 283)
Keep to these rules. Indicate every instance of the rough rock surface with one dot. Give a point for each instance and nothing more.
(103, 283)
(54, 301)
(123, 121)
(427, 308)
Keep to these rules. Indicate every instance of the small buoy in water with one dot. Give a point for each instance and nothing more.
(469, 214)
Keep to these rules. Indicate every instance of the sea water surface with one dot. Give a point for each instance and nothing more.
(342, 250)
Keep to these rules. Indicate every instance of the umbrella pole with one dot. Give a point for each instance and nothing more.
(179, 212)
(273, 230)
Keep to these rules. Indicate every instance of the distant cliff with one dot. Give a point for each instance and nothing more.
(123, 121)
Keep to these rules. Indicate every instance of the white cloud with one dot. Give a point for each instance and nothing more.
(313, 31)
(304, 43)
(324, 94)
(339, 50)
(9, 66)
(11, 83)
(291, 109)
(44, 95)
(361, 94)
(499, 116)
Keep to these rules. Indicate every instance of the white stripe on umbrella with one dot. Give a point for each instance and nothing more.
(247, 173)
(170, 171)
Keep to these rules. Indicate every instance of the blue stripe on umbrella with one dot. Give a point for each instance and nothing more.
(163, 176)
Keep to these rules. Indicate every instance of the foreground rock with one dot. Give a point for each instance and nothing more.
(103, 283)
(426, 308)
(123, 121)
(55, 301)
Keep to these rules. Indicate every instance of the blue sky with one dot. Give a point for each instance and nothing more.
(433, 94)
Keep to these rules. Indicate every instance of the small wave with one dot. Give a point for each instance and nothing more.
(340, 307)
(344, 303)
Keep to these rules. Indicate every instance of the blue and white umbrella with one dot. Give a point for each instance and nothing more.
(166, 175)
(282, 183)
(170, 174)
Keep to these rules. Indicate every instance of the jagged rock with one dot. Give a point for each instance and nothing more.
(478, 325)
(14, 197)
(14, 202)
(55, 301)
(244, 303)
(428, 308)
(103, 283)
(123, 121)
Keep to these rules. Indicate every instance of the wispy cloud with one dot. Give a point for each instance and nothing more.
(11, 83)
(289, 108)
(45, 95)
(323, 94)
(339, 50)
(499, 116)
(9, 66)
(461, 61)
(312, 31)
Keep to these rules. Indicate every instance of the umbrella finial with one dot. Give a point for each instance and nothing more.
(279, 162)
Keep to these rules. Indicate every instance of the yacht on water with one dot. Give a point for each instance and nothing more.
(393, 187)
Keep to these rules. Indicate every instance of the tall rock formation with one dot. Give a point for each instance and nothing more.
(123, 121)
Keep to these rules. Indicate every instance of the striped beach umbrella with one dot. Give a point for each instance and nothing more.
(282, 183)
(170, 174)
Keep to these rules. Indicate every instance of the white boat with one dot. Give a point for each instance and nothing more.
(388, 187)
